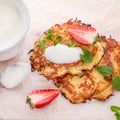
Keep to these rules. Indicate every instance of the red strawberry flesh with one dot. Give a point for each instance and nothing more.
(41, 98)
(83, 34)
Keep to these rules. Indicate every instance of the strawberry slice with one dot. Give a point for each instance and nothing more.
(83, 34)
(41, 98)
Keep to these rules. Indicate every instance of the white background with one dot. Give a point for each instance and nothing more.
(102, 14)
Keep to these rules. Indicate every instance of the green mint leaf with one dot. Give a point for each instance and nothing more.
(116, 82)
(42, 43)
(116, 109)
(57, 40)
(117, 116)
(41, 38)
(105, 70)
(49, 34)
(86, 56)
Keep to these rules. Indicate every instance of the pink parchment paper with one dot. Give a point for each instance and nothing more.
(102, 14)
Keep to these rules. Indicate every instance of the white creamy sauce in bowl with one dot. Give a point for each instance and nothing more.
(61, 54)
(10, 23)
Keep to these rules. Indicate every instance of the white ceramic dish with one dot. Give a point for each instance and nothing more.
(13, 47)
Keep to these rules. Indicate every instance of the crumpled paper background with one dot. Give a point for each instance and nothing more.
(104, 15)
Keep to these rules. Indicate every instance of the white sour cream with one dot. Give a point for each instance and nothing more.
(14, 74)
(61, 54)
(10, 23)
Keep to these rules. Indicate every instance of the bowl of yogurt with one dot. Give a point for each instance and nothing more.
(14, 24)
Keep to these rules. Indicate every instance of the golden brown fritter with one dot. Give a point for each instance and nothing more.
(110, 58)
(52, 70)
(112, 54)
(81, 88)
(79, 81)
(106, 93)
(40, 63)
(92, 84)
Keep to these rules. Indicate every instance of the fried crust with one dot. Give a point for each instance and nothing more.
(79, 81)
(52, 70)
(81, 88)
(100, 87)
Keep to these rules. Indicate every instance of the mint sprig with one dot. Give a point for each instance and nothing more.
(57, 40)
(42, 43)
(116, 82)
(105, 70)
(116, 110)
(49, 34)
(86, 56)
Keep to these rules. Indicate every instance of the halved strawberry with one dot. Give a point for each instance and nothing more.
(84, 34)
(41, 98)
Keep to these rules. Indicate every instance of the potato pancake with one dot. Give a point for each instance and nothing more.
(52, 70)
(78, 81)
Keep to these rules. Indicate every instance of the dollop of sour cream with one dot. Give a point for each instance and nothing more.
(61, 54)
(14, 74)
